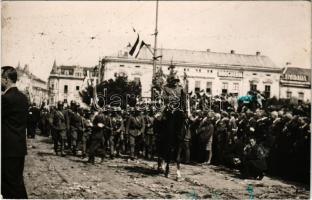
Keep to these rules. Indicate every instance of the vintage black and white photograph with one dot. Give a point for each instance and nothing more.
(155, 99)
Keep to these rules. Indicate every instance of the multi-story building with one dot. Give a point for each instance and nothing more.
(213, 72)
(295, 84)
(34, 87)
(65, 82)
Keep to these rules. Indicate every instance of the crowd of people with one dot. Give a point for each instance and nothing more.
(257, 142)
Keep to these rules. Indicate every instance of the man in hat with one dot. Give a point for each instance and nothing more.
(75, 127)
(149, 133)
(107, 129)
(135, 130)
(116, 132)
(14, 106)
(59, 129)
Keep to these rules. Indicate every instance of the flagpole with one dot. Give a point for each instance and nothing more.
(155, 46)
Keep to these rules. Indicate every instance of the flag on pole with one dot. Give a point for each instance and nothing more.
(131, 52)
(138, 45)
(141, 46)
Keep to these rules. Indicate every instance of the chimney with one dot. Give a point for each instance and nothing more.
(258, 53)
(232, 52)
(208, 50)
(288, 63)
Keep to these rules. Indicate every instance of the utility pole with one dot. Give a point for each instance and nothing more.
(155, 50)
(155, 41)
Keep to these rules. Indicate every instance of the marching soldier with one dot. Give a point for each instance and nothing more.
(75, 128)
(116, 132)
(87, 130)
(59, 129)
(135, 129)
(149, 134)
(107, 129)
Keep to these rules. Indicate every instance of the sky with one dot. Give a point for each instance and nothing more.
(80, 33)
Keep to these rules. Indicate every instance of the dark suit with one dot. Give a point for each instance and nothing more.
(13, 143)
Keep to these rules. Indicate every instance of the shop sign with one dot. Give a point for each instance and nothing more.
(295, 77)
(230, 73)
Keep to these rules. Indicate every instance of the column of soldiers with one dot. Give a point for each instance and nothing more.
(275, 142)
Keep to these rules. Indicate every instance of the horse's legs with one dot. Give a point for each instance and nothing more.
(167, 169)
(178, 161)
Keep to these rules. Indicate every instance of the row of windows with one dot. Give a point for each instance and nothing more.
(257, 74)
(66, 88)
(267, 89)
(137, 66)
(225, 87)
(300, 95)
(185, 69)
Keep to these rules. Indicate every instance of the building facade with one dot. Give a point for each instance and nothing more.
(295, 84)
(65, 82)
(35, 89)
(215, 73)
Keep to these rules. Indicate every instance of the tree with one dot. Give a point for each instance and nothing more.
(117, 92)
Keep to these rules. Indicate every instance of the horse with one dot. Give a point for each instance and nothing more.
(172, 140)
(249, 101)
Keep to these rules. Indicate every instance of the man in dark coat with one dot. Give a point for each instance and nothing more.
(33, 119)
(13, 136)
(254, 163)
(96, 139)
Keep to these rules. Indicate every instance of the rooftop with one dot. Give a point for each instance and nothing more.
(208, 57)
(21, 71)
(298, 71)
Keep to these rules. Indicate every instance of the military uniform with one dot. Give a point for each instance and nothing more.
(149, 136)
(76, 130)
(135, 129)
(96, 139)
(87, 131)
(59, 130)
(116, 133)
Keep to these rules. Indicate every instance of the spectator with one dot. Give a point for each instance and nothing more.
(13, 136)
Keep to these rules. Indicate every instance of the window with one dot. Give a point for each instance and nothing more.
(65, 89)
(137, 66)
(288, 94)
(254, 73)
(235, 86)
(197, 86)
(253, 87)
(208, 87)
(121, 65)
(77, 87)
(225, 88)
(267, 91)
(137, 79)
(184, 69)
(268, 74)
(66, 72)
(52, 86)
(301, 96)
(199, 70)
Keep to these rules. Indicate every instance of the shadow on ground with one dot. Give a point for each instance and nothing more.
(141, 170)
(41, 153)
